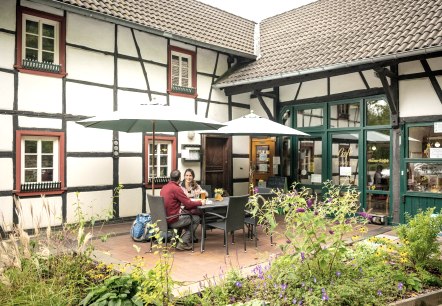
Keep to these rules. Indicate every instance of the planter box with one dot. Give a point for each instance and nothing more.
(427, 299)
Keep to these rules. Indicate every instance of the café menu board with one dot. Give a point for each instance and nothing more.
(277, 182)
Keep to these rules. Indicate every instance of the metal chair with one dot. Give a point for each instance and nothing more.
(232, 221)
(158, 216)
(252, 221)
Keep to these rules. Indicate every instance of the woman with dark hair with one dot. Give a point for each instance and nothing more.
(190, 186)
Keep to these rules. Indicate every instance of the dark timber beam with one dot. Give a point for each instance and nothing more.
(433, 79)
(263, 104)
(392, 98)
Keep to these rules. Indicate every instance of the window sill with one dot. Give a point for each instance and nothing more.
(181, 94)
(41, 73)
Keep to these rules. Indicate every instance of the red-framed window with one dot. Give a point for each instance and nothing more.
(162, 159)
(41, 41)
(40, 163)
(181, 80)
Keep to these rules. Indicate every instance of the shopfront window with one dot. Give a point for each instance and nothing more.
(310, 161)
(345, 115)
(310, 117)
(345, 161)
(378, 160)
(378, 112)
(424, 169)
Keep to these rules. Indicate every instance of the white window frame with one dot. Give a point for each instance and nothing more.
(158, 156)
(55, 149)
(41, 21)
(181, 56)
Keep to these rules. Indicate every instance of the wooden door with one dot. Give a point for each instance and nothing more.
(217, 162)
(263, 150)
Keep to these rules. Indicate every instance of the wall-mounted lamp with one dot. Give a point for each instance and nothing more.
(373, 148)
(115, 148)
(437, 144)
(190, 135)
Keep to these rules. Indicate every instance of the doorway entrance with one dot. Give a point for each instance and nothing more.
(217, 162)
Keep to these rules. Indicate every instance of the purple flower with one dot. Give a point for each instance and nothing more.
(302, 256)
(379, 292)
(365, 215)
(294, 301)
(331, 232)
(338, 273)
(255, 190)
(283, 286)
(324, 295)
(400, 286)
(310, 203)
(238, 284)
(300, 210)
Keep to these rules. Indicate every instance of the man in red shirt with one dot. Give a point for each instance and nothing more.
(174, 197)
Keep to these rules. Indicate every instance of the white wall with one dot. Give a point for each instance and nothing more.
(94, 204)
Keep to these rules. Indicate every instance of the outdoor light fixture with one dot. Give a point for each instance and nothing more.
(437, 144)
(373, 148)
(115, 148)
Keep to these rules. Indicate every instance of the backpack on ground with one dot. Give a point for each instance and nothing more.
(140, 228)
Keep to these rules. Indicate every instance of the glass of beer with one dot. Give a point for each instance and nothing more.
(203, 194)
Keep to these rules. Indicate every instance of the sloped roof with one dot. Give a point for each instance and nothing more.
(328, 33)
(188, 19)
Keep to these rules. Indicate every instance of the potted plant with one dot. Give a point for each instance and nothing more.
(219, 194)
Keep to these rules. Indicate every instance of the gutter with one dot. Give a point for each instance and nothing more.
(329, 67)
(100, 16)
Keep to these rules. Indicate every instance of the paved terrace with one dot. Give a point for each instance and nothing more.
(194, 268)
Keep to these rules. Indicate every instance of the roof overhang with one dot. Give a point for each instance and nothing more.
(85, 12)
(238, 87)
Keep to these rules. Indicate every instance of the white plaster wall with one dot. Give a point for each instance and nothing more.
(89, 171)
(7, 50)
(241, 98)
(222, 64)
(240, 188)
(128, 99)
(238, 112)
(347, 82)
(130, 74)
(201, 108)
(152, 47)
(435, 63)
(40, 7)
(6, 133)
(84, 31)
(7, 16)
(372, 80)
(288, 92)
(182, 105)
(130, 142)
(311, 89)
(82, 139)
(205, 61)
(7, 174)
(218, 112)
(130, 202)
(6, 215)
(204, 84)
(33, 122)
(157, 77)
(131, 170)
(241, 144)
(89, 66)
(182, 45)
(418, 98)
(126, 43)
(410, 67)
(39, 94)
(240, 168)
(94, 204)
(6, 88)
(40, 212)
(88, 100)
(218, 95)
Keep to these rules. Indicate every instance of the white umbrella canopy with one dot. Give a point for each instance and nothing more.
(150, 118)
(254, 125)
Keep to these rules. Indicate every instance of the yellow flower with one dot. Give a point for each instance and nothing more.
(363, 229)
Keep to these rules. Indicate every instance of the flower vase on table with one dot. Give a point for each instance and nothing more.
(219, 194)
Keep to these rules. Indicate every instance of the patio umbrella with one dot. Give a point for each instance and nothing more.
(150, 118)
(254, 125)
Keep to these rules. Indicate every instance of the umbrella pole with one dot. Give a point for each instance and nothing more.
(153, 158)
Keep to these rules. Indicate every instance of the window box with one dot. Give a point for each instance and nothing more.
(184, 90)
(41, 66)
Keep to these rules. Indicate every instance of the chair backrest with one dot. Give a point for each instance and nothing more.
(208, 188)
(236, 212)
(158, 212)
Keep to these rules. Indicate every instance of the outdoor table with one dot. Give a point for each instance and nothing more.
(210, 207)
